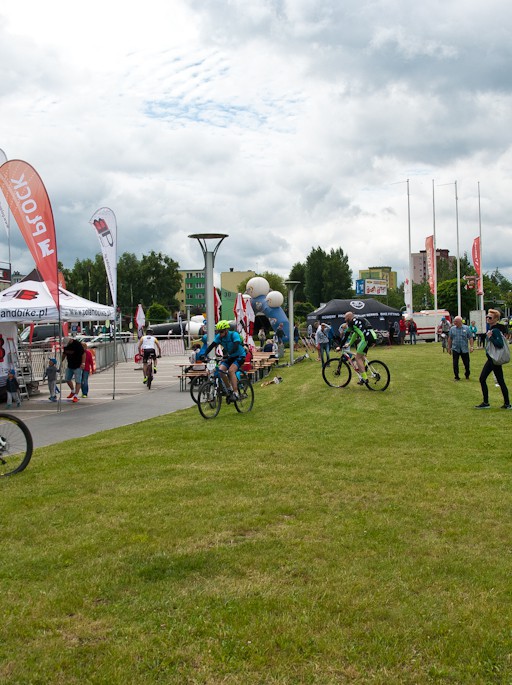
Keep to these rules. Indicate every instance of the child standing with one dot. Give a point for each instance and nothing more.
(13, 388)
(51, 374)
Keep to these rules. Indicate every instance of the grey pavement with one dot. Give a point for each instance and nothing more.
(51, 422)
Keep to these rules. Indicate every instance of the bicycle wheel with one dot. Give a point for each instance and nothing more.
(15, 445)
(195, 384)
(378, 375)
(336, 372)
(149, 376)
(246, 392)
(209, 400)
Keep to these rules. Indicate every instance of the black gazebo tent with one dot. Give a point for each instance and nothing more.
(378, 314)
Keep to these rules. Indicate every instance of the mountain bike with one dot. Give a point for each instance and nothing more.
(150, 371)
(16, 445)
(337, 372)
(211, 392)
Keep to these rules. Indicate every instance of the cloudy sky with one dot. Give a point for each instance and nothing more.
(287, 124)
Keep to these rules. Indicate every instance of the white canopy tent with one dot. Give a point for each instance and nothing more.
(31, 301)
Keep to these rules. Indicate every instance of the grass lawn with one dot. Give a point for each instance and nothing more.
(329, 536)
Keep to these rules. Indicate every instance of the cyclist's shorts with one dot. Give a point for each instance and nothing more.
(226, 363)
(149, 353)
(363, 347)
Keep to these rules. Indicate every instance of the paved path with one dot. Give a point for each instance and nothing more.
(51, 422)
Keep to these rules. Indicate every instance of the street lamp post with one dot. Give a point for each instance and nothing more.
(209, 254)
(292, 286)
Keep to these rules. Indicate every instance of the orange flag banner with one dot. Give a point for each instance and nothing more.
(30, 205)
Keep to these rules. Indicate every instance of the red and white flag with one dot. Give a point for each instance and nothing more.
(217, 304)
(429, 247)
(4, 207)
(140, 321)
(105, 224)
(31, 208)
(239, 312)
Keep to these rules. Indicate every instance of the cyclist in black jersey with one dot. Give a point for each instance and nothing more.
(359, 332)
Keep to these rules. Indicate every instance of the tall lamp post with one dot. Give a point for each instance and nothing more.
(292, 286)
(209, 243)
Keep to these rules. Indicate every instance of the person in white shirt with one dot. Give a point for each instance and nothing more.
(148, 346)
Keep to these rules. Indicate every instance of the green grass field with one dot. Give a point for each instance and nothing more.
(330, 536)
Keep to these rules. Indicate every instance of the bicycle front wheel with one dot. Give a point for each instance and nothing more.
(378, 375)
(15, 445)
(195, 384)
(336, 372)
(246, 392)
(209, 400)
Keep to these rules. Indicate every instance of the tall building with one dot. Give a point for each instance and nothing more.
(419, 263)
(380, 273)
(191, 292)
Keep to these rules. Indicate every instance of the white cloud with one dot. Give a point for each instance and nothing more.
(285, 124)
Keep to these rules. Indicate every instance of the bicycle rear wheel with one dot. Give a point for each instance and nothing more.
(150, 376)
(15, 445)
(246, 392)
(378, 375)
(336, 372)
(209, 400)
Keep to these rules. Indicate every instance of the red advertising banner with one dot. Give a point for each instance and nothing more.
(429, 247)
(477, 261)
(30, 205)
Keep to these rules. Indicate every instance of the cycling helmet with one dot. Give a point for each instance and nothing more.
(222, 325)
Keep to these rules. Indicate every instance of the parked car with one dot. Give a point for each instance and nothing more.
(41, 333)
(123, 336)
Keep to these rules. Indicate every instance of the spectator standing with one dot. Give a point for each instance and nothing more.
(413, 329)
(402, 326)
(262, 337)
(88, 369)
(443, 330)
(74, 354)
(391, 332)
(495, 336)
(322, 343)
(474, 330)
(50, 374)
(13, 389)
(460, 344)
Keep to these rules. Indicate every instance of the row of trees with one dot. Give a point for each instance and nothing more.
(323, 276)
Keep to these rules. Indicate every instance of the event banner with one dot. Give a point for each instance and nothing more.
(31, 208)
(4, 207)
(105, 224)
(477, 261)
(429, 247)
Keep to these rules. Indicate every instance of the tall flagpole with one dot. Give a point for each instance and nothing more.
(435, 251)
(459, 297)
(481, 277)
(408, 304)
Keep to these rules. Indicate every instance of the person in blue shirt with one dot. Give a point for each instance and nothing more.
(234, 352)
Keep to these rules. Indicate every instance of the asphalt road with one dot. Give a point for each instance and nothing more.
(105, 407)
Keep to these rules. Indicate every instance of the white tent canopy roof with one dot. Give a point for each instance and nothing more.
(30, 300)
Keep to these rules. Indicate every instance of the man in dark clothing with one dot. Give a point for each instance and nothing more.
(74, 353)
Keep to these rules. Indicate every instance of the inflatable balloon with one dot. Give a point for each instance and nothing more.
(275, 298)
(257, 286)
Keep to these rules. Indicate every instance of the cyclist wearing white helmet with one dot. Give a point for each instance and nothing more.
(234, 353)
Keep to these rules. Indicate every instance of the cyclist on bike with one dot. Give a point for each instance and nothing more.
(234, 353)
(358, 331)
(148, 346)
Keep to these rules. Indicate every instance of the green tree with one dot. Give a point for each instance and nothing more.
(159, 280)
(302, 309)
(447, 298)
(313, 286)
(337, 276)
(157, 313)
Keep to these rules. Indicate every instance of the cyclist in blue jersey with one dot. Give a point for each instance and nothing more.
(359, 332)
(234, 352)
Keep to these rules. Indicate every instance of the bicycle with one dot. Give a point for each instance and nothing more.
(211, 392)
(149, 371)
(16, 445)
(337, 372)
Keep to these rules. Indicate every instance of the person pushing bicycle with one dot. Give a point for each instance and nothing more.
(359, 332)
(234, 352)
